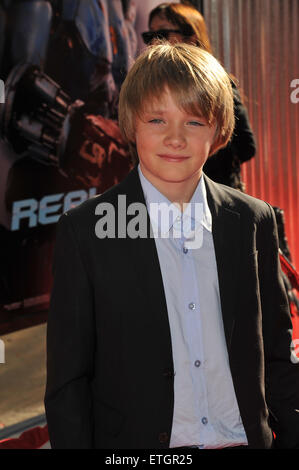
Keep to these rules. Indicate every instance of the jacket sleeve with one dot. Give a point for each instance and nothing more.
(281, 365)
(243, 142)
(70, 345)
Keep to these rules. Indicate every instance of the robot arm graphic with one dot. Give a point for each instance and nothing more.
(59, 64)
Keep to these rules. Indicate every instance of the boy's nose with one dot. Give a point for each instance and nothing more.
(175, 138)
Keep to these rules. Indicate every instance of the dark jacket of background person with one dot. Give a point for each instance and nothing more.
(225, 165)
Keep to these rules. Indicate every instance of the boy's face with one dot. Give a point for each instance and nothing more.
(172, 145)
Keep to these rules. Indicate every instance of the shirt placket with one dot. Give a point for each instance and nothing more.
(193, 336)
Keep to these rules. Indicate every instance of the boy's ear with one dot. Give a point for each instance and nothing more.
(215, 147)
(215, 144)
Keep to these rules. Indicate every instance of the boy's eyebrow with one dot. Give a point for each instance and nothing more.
(154, 111)
(160, 112)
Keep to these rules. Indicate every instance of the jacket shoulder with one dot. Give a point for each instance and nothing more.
(245, 204)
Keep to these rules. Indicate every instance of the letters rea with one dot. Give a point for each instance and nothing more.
(48, 209)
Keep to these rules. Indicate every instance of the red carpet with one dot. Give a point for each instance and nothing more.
(34, 438)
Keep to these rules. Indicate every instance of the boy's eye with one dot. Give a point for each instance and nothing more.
(196, 123)
(156, 121)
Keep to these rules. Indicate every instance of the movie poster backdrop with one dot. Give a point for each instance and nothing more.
(61, 68)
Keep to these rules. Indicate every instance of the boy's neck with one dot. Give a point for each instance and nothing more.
(176, 192)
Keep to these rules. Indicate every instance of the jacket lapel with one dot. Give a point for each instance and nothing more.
(226, 236)
(145, 262)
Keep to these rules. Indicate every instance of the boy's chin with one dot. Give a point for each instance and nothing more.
(178, 176)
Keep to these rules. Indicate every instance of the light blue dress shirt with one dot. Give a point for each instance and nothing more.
(206, 413)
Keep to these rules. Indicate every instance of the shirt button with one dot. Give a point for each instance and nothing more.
(191, 306)
(197, 363)
(204, 420)
(185, 250)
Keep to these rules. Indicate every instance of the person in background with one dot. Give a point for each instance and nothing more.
(178, 22)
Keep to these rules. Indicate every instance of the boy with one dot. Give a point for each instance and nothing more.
(173, 333)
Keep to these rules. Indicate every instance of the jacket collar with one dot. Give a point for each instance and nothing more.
(226, 237)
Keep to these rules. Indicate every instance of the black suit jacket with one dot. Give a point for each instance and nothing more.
(110, 377)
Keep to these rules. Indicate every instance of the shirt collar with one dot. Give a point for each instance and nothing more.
(193, 215)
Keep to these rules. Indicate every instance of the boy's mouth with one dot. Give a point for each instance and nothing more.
(173, 158)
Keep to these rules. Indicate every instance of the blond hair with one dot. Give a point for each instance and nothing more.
(197, 82)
